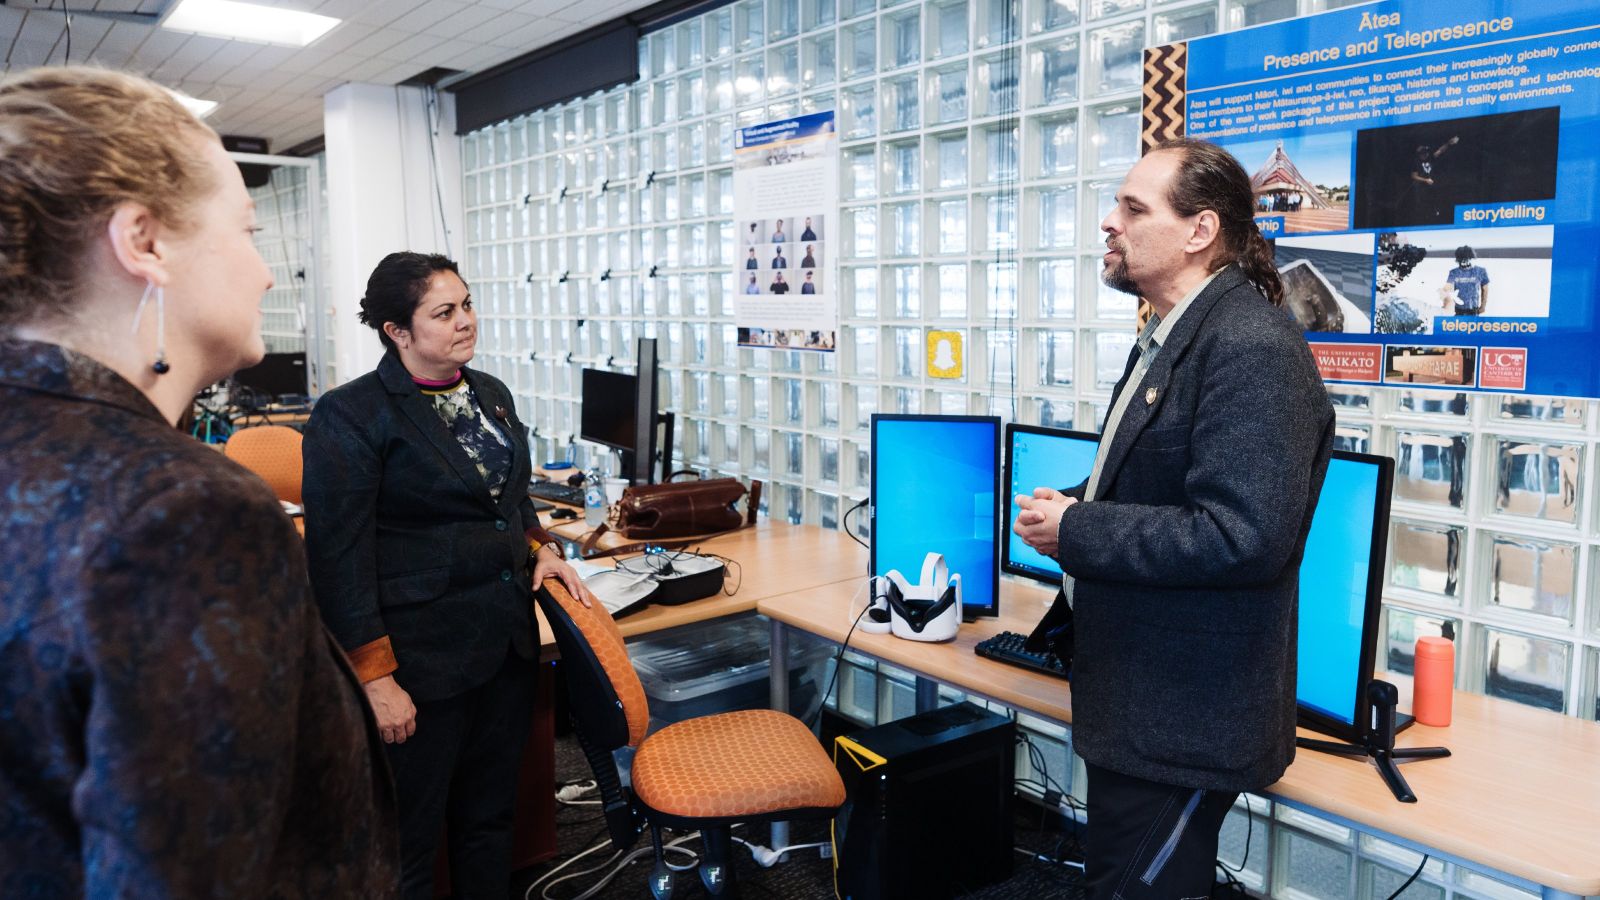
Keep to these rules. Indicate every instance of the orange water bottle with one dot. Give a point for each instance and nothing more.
(1434, 684)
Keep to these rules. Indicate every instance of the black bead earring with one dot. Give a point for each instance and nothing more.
(160, 366)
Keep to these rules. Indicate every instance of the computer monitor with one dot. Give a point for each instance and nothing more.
(277, 375)
(935, 487)
(609, 408)
(1037, 456)
(1341, 593)
(619, 411)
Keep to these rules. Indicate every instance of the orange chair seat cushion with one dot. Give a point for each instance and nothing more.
(735, 764)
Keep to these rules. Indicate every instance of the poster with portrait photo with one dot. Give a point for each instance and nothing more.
(785, 193)
(1418, 174)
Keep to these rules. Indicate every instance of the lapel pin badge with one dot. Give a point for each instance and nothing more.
(1149, 396)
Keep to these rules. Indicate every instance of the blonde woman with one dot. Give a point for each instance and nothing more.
(177, 722)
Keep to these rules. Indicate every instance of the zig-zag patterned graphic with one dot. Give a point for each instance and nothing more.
(1165, 92)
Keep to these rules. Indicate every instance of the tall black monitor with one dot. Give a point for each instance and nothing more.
(277, 375)
(620, 411)
(1341, 594)
(936, 487)
(609, 408)
(1037, 456)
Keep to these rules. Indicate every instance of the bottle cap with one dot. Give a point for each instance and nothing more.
(1435, 647)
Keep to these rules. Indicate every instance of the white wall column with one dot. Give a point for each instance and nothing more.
(394, 183)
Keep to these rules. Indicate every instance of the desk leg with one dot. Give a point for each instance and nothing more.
(778, 687)
(927, 694)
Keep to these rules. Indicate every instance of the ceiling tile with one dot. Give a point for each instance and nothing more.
(385, 12)
(379, 40)
(466, 20)
(533, 35)
(422, 19)
(42, 27)
(343, 36)
(120, 41)
(368, 69)
(340, 9)
(27, 54)
(497, 26)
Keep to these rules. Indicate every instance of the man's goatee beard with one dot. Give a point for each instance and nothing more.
(1118, 279)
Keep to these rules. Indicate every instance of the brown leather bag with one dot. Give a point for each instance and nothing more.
(680, 509)
(651, 513)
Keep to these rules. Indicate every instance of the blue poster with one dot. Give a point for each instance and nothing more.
(1429, 174)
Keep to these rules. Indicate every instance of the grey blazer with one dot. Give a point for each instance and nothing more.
(1187, 560)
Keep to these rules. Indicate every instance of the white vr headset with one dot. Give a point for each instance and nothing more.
(929, 610)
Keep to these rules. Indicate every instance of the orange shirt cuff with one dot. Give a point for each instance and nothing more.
(373, 660)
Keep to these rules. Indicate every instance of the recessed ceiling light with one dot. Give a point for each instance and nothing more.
(200, 108)
(248, 22)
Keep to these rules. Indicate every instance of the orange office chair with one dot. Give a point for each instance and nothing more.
(708, 773)
(273, 452)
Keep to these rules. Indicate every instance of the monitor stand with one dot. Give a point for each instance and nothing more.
(1378, 743)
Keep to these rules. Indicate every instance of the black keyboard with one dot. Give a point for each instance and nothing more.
(560, 493)
(1007, 648)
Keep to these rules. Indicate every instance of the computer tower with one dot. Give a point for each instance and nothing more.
(927, 812)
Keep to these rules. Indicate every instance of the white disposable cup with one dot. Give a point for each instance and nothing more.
(614, 488)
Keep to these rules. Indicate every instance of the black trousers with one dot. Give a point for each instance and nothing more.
(459, 772)
(1150, 840)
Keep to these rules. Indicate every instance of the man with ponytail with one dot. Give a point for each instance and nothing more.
(1182, 549)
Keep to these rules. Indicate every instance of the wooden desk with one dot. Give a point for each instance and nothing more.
(1520, 795)
(772, 558)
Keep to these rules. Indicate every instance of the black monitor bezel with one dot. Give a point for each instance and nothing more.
(275, 371)
(968, 610)
(583, 399)
(1006, 565)
(1361, 706)
(647, 417)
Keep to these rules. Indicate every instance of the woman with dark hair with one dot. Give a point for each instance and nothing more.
(425, 549)
(177, 722)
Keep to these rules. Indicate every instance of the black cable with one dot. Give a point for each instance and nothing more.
(1402, 888)
(838, 661)
(1249, 832)
(67, 58)
(846, 520)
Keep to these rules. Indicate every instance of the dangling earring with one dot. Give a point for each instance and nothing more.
(160, 366)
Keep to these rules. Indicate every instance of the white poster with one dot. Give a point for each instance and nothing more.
(786, 212)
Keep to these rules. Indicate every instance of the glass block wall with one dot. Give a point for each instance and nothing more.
(983, 141)
(294, 318)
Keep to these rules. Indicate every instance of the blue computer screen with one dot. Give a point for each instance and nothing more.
(933, 489)
(1041, 458)
(1333, 589)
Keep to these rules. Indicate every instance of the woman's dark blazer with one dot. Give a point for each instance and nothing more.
(405, 541)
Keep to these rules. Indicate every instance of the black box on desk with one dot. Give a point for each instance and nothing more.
(928, 805)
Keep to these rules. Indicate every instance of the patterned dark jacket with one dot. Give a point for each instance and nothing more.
(409, 552)
(174, 719)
